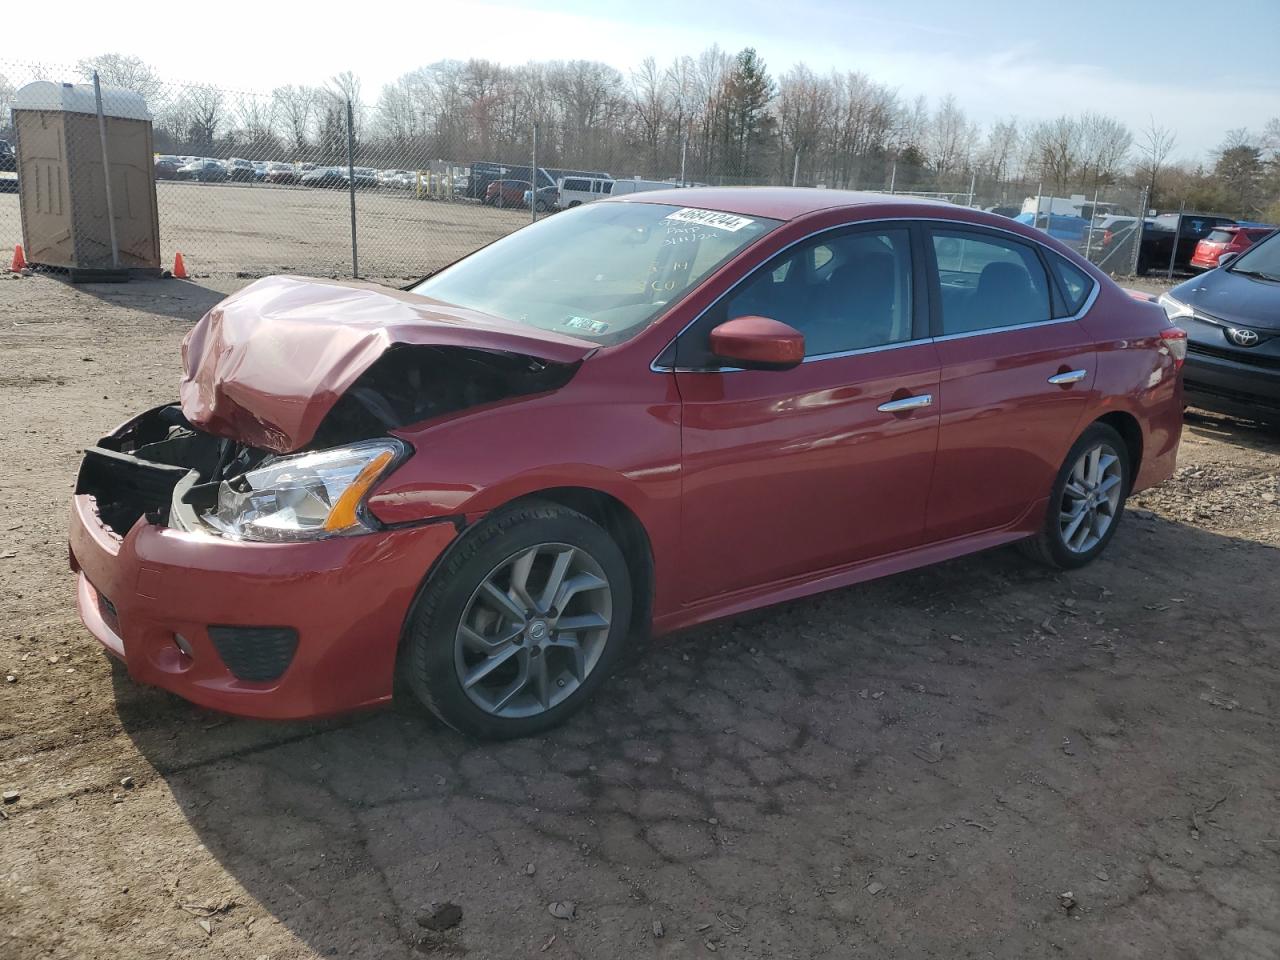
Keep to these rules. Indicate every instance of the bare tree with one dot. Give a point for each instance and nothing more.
(1154, 147)
(650, 95)
(123, 70)
(951, 138)
(197, 117)
(1055, 147)
(295, 112)
(1104, 146)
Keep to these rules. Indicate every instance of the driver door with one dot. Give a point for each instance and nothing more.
(788, 473)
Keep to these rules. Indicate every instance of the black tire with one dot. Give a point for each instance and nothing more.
(1049, 546)
(427, 660)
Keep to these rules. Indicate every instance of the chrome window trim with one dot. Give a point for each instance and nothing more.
(960, 224)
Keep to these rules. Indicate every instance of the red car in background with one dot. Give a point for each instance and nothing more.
(633, 417)
(1226, 239)
(506, 193)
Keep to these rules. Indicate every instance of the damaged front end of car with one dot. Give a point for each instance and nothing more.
(162, 467)
(292, 391)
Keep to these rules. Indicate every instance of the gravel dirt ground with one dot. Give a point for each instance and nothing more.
(983, 759)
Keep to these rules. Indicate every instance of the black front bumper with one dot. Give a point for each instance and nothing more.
(1238, 382)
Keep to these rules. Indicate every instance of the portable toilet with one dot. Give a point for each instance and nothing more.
(61, 187)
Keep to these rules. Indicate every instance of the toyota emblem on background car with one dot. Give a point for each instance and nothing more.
(1242, 337)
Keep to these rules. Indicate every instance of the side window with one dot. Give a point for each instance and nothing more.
(844, 292)
(575, 185)
(606, 186)
(1076, 284)
(988, 282)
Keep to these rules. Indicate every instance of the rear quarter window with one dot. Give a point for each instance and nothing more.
(1076, 284)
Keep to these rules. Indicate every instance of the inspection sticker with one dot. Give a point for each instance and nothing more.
(710, 218)
(587, 324)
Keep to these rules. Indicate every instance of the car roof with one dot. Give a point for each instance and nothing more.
(778, 203)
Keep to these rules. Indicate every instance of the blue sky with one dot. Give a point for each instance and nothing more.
(1200, 68)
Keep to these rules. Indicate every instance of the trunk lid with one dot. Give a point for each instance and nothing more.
(268, 363)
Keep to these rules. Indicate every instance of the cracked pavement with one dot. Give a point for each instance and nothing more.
(916, 767)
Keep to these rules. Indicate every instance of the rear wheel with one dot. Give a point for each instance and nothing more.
(522, 623)
(1087, 501)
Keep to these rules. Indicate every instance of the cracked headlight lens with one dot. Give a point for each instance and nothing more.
(309, 496)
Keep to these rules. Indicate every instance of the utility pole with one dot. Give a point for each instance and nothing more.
(533, 177)
(106, 172)
(351, 185)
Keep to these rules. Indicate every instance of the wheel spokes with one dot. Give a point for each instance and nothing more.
(555, 579)
(489, 665)
(578, 583)
(1090, 498)
(502, 601)
(533, 630)
(520, 577)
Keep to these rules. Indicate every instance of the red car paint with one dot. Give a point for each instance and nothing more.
(1226, 239)
(752, 487)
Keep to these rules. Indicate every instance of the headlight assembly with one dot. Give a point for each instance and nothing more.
(310, 496)
(1174, 309)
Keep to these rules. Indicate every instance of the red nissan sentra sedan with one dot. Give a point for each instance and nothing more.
(631, 417)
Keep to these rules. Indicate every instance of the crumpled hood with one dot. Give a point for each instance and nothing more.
(268, 363)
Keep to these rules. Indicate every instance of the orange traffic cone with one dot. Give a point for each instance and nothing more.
(179, 267)
(19, 261)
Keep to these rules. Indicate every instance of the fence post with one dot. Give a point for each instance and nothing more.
(973, 180)
(893, 176)
(533, 177)
(684, 148)
(795, 168)
(1138, 229)
(351, 186)
(1177, 235)
(1088, 230)
(106, 172)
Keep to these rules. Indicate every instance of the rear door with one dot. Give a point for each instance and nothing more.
(1017, 373)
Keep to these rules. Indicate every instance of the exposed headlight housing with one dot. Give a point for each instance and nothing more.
(311, 496)
(1175, 310)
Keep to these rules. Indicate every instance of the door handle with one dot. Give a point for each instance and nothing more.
(1071, 376)
(906, 403)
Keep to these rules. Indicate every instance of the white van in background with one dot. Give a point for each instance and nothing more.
(575, 191)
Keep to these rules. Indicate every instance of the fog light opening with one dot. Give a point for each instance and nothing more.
(184, 645)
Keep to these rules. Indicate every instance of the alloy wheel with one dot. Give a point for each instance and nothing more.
(533, 630)
(1091, 498)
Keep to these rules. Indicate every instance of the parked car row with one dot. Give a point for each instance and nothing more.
(567, 193)
(237, 169)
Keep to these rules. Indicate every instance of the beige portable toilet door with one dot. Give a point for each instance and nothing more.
(46, 197)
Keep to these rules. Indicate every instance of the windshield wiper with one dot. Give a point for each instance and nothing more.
(1259, 274)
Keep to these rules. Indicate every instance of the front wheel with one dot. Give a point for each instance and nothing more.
(1087, 501)
(521, 624)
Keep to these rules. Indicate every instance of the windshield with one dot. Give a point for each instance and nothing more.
(602, 272)
(1262, 259)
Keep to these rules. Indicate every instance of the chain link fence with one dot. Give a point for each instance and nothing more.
(319, 182)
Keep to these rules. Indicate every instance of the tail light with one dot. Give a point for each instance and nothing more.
(1175, 339)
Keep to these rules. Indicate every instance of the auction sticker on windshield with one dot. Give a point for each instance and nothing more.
(710, 218)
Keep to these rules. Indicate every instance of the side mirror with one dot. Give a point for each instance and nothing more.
(758, 343)
(1226, 258)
